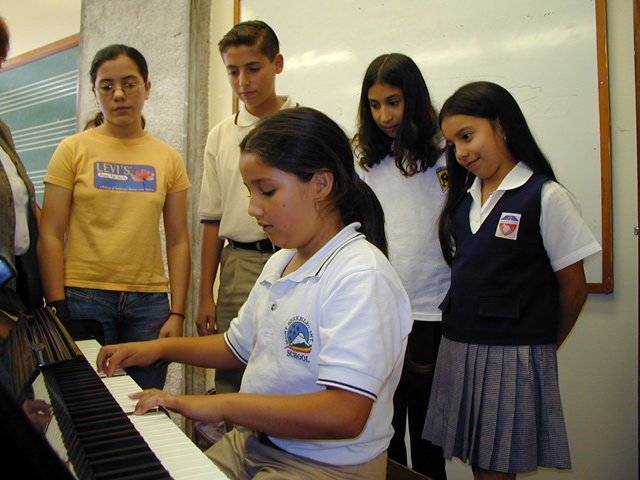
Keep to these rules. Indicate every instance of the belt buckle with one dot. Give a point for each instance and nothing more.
(259, 247)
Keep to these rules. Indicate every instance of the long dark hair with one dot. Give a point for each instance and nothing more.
(492, 102)
(111, 53)
(415, 147)
(302, 141)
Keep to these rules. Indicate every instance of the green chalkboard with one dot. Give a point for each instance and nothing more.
(38, 102)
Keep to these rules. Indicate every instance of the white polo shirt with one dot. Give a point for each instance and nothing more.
(411, 207)
(223, 196)
(340, 320)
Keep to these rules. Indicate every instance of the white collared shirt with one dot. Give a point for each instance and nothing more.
(20, 203)
(566, 237)
(411, 207)
(223, 195)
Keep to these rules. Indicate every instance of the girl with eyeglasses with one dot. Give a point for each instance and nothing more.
(106, 190)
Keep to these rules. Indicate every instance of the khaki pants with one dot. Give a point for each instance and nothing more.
(241, 456)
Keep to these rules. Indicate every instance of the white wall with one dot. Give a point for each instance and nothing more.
(220, 95)
(36, 23)
(598, 363)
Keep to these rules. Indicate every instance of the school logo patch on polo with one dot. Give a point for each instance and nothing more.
(508, 226)
(298, 339)
(443, 176)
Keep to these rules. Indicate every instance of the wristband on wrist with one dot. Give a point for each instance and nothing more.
(178, 314)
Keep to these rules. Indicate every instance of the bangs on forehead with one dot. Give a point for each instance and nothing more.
(126, 72)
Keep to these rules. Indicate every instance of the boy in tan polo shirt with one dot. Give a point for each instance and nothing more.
(250, 52)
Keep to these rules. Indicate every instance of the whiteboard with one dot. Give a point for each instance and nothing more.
(38, 101)
(543, 51)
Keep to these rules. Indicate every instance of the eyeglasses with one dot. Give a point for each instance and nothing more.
(129, 88)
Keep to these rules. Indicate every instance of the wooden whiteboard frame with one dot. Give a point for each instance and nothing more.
(600, 15)
(50, 49)
(36, 138)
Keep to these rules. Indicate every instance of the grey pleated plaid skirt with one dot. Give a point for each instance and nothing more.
(498, 407)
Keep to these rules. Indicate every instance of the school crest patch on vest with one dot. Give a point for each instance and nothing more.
(508, 226)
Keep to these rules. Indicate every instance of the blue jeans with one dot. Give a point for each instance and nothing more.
(126, 317)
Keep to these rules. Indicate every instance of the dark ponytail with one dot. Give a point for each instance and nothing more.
(302, 141)
(369, 213)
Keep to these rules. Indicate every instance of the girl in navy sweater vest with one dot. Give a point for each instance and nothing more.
(516, 244)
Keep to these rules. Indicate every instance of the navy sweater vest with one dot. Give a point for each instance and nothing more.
(503, 290)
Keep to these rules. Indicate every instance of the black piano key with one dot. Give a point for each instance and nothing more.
(101, 441)
(150, 471)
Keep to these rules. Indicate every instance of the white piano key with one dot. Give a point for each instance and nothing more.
(121, 388)
(177, 453)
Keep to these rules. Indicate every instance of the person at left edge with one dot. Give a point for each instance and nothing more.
(107, 188)
(18, 218)
(18, 236)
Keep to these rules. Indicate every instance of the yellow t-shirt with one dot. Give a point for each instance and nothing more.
(119, 190)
